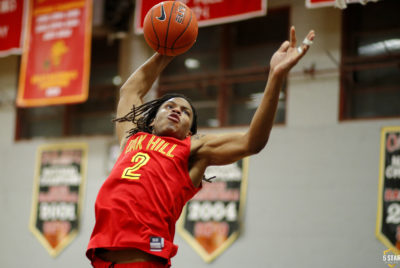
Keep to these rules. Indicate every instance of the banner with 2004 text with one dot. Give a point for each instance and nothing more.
(211, 220)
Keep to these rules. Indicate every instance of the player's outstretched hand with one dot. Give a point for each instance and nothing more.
(288, 54)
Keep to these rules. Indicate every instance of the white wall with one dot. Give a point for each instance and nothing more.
(312, 192)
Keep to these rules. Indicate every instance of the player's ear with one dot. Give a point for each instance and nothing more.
(151, 123)
(189, 133)
(151, 126)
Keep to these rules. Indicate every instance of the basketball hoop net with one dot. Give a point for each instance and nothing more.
(342, 4)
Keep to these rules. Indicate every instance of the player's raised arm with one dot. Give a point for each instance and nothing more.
(281, 63)
(136, 87)
(224, 149)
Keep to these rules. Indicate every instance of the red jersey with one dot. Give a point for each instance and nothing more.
(140, 202)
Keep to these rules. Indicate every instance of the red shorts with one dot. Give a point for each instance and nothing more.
(99, 263)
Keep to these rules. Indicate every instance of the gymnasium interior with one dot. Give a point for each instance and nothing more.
(313, 197)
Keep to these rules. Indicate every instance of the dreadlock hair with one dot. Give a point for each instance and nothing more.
(142, 116)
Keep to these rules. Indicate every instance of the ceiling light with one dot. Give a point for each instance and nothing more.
(117, 80)
(191, 63)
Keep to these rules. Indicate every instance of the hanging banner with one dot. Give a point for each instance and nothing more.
(12, 22)
(210, 221)
(337, 3)
(319, 3)
(388, 215)
(209, 12)
(58, 192)
(56, 54)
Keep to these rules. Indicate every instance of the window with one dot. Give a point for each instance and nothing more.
(370, 72)
(92, 117)
(225, 72)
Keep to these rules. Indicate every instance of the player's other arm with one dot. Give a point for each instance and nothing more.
(228, 148)
(224, 149)
(136, 87)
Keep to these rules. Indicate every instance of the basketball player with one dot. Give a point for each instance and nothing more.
(163, 160)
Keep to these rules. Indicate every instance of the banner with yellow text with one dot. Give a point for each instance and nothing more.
(58, 192)
(56, 53)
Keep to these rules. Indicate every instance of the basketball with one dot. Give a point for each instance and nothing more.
(170, 28)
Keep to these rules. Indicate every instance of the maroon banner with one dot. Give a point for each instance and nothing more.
(56, 54)
(209, 12)
(12, 18)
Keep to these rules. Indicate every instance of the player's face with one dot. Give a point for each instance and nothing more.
(174, 118)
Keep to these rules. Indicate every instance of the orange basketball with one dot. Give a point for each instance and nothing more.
(170, 28)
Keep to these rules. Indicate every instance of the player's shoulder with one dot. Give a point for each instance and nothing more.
(198, 140)
(198, 136)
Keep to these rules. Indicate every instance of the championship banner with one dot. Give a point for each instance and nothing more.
(208, 12)
(12, 21)
(58, 192)
(211, 220)
(388, 215)
(56, 54)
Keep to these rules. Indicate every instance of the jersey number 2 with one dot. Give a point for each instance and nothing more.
(140, 159)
